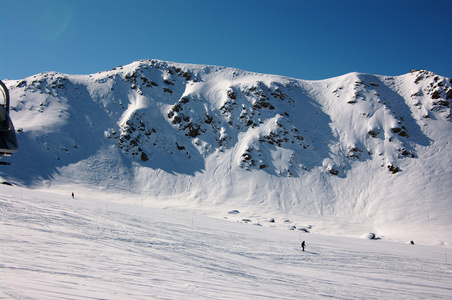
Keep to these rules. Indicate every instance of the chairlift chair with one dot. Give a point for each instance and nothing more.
(8, 140)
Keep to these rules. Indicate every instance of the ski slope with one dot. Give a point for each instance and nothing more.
(56, 247)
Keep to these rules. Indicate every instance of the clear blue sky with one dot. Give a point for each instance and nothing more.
(314, 39)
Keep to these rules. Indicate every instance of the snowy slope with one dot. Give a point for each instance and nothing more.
(348, 155)
(54, 247)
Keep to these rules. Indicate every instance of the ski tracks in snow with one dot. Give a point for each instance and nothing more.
(68, 249)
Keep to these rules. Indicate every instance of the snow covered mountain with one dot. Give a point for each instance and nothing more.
(353, 154)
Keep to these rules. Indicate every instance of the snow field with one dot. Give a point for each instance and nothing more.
(56, 247)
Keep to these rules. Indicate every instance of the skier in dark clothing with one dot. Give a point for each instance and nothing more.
(73, 195)
(303, 245)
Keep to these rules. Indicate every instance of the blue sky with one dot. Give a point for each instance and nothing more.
(302, 39)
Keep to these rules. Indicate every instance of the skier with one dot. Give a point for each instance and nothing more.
(73, 196)
(303, 245)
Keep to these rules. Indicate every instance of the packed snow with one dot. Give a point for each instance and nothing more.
(57, 247)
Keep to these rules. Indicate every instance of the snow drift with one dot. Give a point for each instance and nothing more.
(353, 154)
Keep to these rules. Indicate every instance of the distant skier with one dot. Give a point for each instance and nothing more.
(73, 195)
(303, 245)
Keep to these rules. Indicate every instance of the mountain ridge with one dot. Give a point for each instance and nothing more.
(369, 148)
